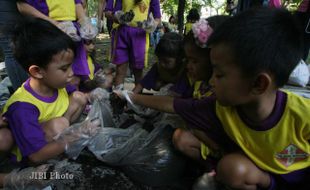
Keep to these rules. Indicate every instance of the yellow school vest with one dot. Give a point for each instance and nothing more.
(47, 110)
(91, 67)
(204, 150)
(197, 93)
(141, 10)
(188, 27)
(281, 149)
(61, 10)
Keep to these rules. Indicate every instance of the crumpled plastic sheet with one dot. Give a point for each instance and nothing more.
(300, 75)
(148, 25)
(69, 28)
(87, 30)
(78, 136)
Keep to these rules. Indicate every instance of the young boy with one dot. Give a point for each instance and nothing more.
(41, 108)
(252, 55)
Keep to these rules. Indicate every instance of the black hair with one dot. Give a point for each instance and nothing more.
(262, 39)
(36, 41)
(171, 17)
(170, 45)
(193, 15)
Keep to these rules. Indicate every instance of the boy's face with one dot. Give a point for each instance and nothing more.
(230, 86)
(198, 66)
(59, 71)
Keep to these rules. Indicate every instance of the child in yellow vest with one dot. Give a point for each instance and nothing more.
(263, 131)
(98, 77)
(131, 38)
(42, 107)
(192, 17)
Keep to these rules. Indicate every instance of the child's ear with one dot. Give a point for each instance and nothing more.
(36, 71)
(261, 83)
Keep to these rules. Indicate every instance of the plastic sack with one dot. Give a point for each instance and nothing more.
(113, 145)
(155, 162)
(148, 25)
(300, 75)
(87, 30)
(206, 181)
(124, 17)
(69, 28)
(77, 136)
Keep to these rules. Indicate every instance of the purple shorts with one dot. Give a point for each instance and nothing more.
(131, 45)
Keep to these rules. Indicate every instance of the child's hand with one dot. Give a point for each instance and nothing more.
(148, 25)
(80, 132)
(68, 28)
(124, 18)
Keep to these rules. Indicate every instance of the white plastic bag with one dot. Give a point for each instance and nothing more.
(300, 75)
(69, 28)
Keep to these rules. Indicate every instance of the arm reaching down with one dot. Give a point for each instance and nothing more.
(160, 103)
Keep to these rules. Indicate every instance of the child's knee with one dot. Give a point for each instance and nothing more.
(234, 170)
(79, 98)
(6, 139)
(183, 139)
(177, 138)
(55, 126)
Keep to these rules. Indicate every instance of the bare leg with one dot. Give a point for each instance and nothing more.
(238, 172)
(6, 140)
(138, 75)
(77, 103)
(2, 176)
(121, 72)
(187, 143)
(54, 126)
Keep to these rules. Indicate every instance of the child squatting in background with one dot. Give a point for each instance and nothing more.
(170, 68)
(263, 131)
(42, 107)
(98, 77)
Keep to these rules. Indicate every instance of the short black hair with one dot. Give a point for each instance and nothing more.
(262, 39)
(170, 45)
(36, 41)
(193, 15)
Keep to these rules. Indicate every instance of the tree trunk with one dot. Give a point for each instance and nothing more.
(181, 8)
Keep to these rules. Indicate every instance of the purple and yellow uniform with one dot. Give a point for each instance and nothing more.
(113, 6)
(188, 27)
(181, 83)
(25, 111)
(202, 90)
(286, 128)
(64, 10)
(131, 43)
